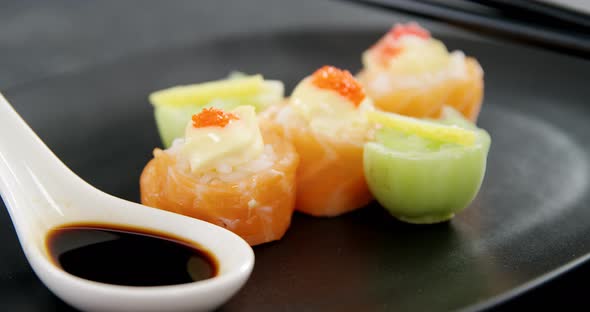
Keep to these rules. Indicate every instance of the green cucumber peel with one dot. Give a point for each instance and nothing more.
(171, 120)
(424, 181)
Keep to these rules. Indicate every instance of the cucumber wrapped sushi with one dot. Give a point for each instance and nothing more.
(173, 107)
(425, 171)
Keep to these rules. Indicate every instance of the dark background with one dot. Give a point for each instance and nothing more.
(41, 39)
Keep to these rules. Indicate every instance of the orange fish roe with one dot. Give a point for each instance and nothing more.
(212, 117)
(341, 81)
(388, 46)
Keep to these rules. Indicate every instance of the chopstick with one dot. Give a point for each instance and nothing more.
(541, 12)
(568, 41)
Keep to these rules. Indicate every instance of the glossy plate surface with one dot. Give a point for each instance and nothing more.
(531, 217)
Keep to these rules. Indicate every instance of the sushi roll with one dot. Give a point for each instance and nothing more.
(228, 169)
(411, 73)
(173, 107)
(324, 119)
(425, 171)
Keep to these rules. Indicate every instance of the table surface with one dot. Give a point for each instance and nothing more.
(41, 39)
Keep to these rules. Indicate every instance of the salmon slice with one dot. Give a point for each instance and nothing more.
(427, 101)
(330, 176)
(467, 95)
(258, 207)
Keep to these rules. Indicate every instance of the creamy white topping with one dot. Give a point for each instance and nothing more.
(417, 56)
(222, 148)
(329, 113)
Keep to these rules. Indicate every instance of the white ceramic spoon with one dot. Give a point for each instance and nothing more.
(41, 193)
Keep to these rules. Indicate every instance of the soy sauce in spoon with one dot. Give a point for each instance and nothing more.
(128, 256)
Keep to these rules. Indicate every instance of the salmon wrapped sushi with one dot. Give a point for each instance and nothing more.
(325, 121)
(411, 73)
(229, 170)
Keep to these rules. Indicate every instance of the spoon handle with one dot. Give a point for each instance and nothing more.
(32, 178)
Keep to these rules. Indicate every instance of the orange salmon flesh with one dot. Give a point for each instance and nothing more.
(258, 208)
(330, 176)
(427, 101)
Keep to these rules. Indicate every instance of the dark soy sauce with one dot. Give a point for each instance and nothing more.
(128, 256)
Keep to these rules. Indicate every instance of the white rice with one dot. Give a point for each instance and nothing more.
(224, 172)
(384, 82)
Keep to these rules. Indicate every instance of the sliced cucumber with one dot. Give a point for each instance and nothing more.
(422, 180)
(203, 93)
(174, 107)
(425, 128)
(171, 121)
